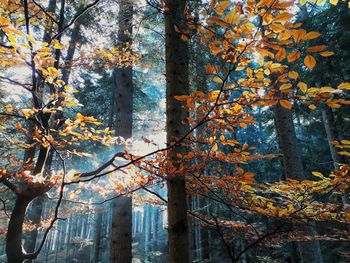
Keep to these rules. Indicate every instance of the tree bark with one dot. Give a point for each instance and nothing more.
(121, 237)
(177, 83)
(310, 251)
(332, 135)
(14, 250)
(97, 243)
(121, 231)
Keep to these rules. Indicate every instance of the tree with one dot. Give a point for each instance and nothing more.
(121, 243)
(177, 84)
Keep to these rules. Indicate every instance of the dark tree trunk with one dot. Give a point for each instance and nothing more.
(14, 248)
(121, 231)
(332, 135)
(97, 243)
(121, 237)
(310, 251)
(177, 83)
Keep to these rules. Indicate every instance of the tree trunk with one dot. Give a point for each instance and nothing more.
(310, 251)
(121, 231)
(121, 247)
(332, 135)
(177, 83)
(14, 248)
(97, 243)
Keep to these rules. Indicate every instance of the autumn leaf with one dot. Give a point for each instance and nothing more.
(284, 17)
(326, 53)
(4, 21)
(333, 2)
(217, 80)
(311, 35)
(319, 175)
(312, 107)
(8, 107)
(344, 85)
(281, 54)
(182, 97)
(310, 62)
(316, 48)
(293, 74)
(218, 21)
(293, 56)
(302, 86)
(223, 5)
(285, 86)
(286, 104)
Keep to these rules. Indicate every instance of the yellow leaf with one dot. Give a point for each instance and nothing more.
(344, 85)
(31, 39)
(326, 89)
(27, 113)
(12, 30)
(286, 104)
(312, 107)
(8, 107)
(319, 175)
(344, 153)
(310, 61)
(285, 86)
(58, 46)
(215, 147)
(217, 80)
(293, 74)
(334, 2)
(302, 86)
(214, 94)
(232, 17)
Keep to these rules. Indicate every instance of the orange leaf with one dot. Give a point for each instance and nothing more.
(317, 48)
(311, 35)
(182, 97)
(293, 56)
(302, 86)
(327, 54)
(281, 54)
(285, 86)
(283, 17)
(286, 104)
(310, 61)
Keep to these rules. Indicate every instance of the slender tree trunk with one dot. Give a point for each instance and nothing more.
(310, 251)
(97, 243)
(332, 135)
(121, 237)
(177, 83)
(14, 248)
